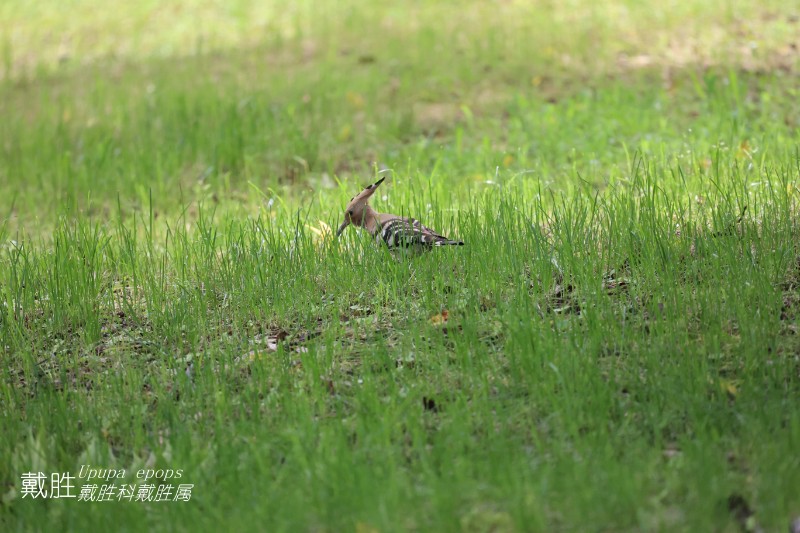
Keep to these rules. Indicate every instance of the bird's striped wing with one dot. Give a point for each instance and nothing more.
(402, 232)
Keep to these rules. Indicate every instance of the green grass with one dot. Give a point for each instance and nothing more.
(619, 348)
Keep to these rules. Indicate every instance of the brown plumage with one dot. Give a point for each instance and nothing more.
(394, 230)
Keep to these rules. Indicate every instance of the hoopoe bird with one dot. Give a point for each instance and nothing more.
(394, 230)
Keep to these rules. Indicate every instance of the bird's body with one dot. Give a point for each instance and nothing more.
(401, 232)
(395, 231)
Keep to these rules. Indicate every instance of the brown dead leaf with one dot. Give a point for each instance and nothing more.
(439, 318)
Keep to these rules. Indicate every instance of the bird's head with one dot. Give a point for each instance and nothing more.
(356, 211)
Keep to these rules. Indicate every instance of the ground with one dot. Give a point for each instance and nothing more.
(614, 348)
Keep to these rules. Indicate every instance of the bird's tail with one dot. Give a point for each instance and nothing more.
(448, 243)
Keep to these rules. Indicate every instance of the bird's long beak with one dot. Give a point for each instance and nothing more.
(341, 228)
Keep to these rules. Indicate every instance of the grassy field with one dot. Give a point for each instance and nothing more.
(615, 348)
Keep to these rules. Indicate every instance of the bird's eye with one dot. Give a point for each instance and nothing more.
(350, 212)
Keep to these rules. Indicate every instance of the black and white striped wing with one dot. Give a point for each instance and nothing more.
(407, 232)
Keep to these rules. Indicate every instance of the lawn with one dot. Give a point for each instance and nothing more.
(615, 348)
